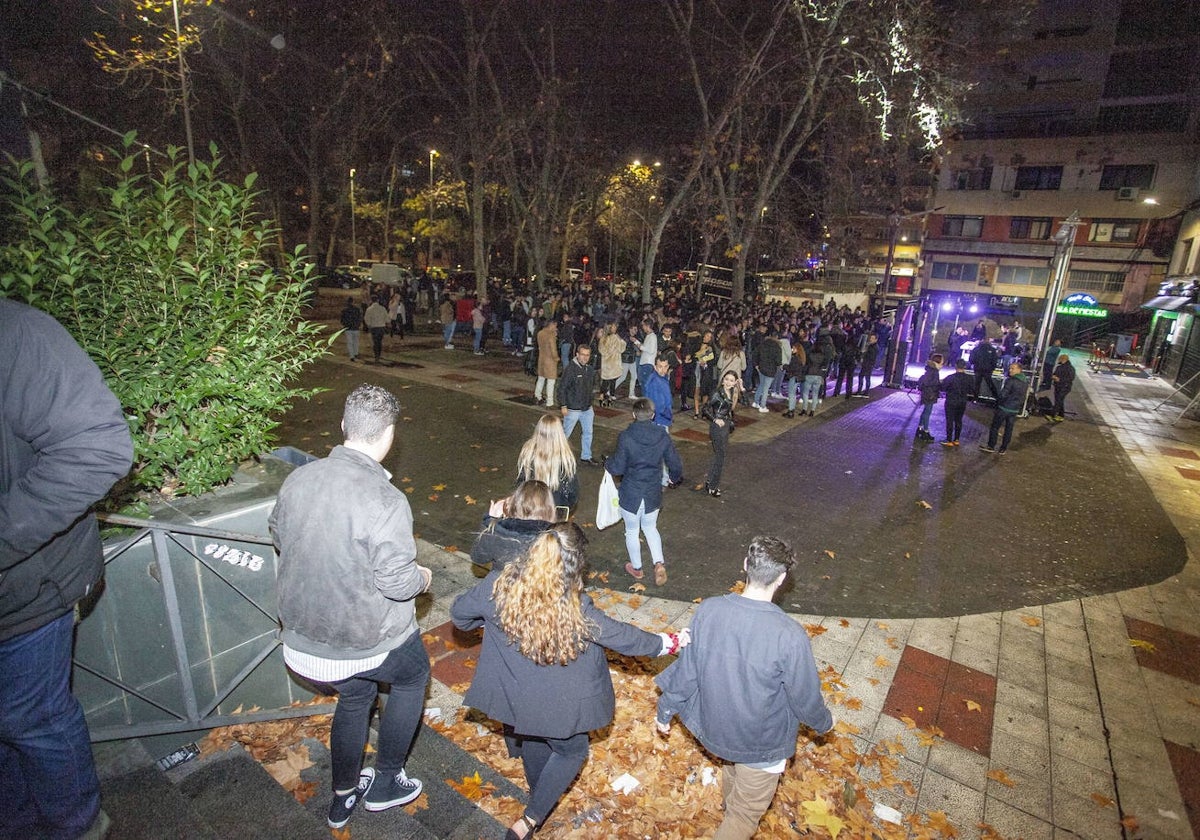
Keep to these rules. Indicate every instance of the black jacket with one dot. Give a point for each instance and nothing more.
(503, 540)
(64, 442)
(352, 316)
(983, 357)
(768, 356)
(642, 449)
(958, 388)
(566, 494)
(576, 385)
(1064, 377)
(551, 701)
(929, 385)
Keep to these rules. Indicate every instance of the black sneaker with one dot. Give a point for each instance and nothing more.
(986, 448)
(343, 804)
(388, 792)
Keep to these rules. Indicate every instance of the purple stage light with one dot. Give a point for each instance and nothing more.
(947, 306)
(974, 308)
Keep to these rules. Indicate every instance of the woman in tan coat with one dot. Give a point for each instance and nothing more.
(547, 339)
(611, 348)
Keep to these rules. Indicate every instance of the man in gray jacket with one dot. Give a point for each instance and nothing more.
(744, 685)
(347, 579)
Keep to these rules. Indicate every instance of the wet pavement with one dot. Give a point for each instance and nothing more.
(882, 525)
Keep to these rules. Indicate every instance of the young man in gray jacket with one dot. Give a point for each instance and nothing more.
(744, 685)
(348, 577)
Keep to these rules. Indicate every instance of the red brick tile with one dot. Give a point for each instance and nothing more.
(454, 670)
(457, 377)
(1175, 653)
(692, 434)
(1186, 764)
(744, 419)
(976, 685)
(925, 662)
(451, 638)
(1193, 475)
(1176, 452)
(969, 729)
(914, 695)
(608, 412)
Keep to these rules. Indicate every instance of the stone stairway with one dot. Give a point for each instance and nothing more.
(229, 795)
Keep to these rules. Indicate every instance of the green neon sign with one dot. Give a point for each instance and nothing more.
(1082, 311)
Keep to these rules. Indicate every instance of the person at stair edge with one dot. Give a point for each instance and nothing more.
(348, 577)
(1064, 380)
(64, 442)
(542, 672)
(511, 525)
(744, 685)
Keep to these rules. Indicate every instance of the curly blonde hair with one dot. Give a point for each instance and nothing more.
(547, 455)
(537, 598)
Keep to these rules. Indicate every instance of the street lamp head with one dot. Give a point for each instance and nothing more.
(351, 171)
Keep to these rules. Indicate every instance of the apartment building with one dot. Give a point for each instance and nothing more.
(1090, 108)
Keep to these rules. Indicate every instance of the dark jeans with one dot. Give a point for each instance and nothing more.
(864, 377)
(719, 435)
(1005, 419)
(377, 341)
(551, 765)
(982, 377)
(845, 374)
(406, 669)
(47, 774)
(926, 411)
(954, 420)
(608, 387)
(1060, 401)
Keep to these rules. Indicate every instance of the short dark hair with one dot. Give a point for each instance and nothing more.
(643, 408)
(369, 411)
(766, 559)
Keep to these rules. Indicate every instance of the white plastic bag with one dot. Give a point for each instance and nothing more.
(608, 506)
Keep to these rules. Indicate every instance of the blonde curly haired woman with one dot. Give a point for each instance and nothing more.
(547, 457)
(542, 670)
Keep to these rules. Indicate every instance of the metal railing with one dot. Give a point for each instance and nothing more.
(187, 712)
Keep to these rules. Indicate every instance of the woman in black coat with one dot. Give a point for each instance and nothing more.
(513, 524)
(542, 671)
(719, 411)
(547, 457)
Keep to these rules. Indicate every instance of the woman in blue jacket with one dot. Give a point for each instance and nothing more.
(542, 671)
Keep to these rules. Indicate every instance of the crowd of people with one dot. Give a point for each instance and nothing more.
(348, 580)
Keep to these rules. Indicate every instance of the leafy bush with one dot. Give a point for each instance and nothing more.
(163, 279)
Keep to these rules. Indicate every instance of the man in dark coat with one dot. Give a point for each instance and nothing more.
(1064, 380)
(1008, 405)
(352, 317)
(958, 393)
(983, 362)
(768, 357)
(64, 442)
(576, 386)
(870, 354)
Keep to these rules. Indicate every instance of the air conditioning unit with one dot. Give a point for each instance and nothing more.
(1016, 194)
(1127, 194)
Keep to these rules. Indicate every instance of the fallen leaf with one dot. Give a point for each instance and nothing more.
(817, 813)
(450, 548)
(1130, 822)
(925, 504)
(469, 500)
(907, 556)
(638, 587)
(938, 821)
(473, 787)
(476, 445)
(972, 706)
(907, 721)
(892, 643)
(439, 487)
(1102, 801)
(872, 681)
(1143, 644)
(738, 588)
(1193, 701)
(421, 803)
(815, 630)
(854, 703)
(408, 489)
(433, 497)
(832, 556)
(881, 662)
(925, 738)
(697, 600)
(1001, 777)
(483, 469)
(844, 622)
(881, 625)
(304, 791)
(988, 832)
(340, 833)
(1032, 621)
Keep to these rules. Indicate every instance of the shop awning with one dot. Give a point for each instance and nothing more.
(1168, 303)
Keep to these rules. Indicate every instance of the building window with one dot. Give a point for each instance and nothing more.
(1029, 227)
(1096, 281)
(1141, 119)
(1038, 177)
(1147, 73)
(1022, 275)
(1114, 230)
(962, 226)
(979, 178)
(1140, 175)
(966, 272)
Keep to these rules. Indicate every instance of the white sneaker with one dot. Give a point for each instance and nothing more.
(762, 409)
(448, 347)
(754, 405)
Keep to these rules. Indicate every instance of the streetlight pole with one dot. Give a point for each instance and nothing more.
(1064, 246)
(183, 86)
(429, 261)
(353, 232)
